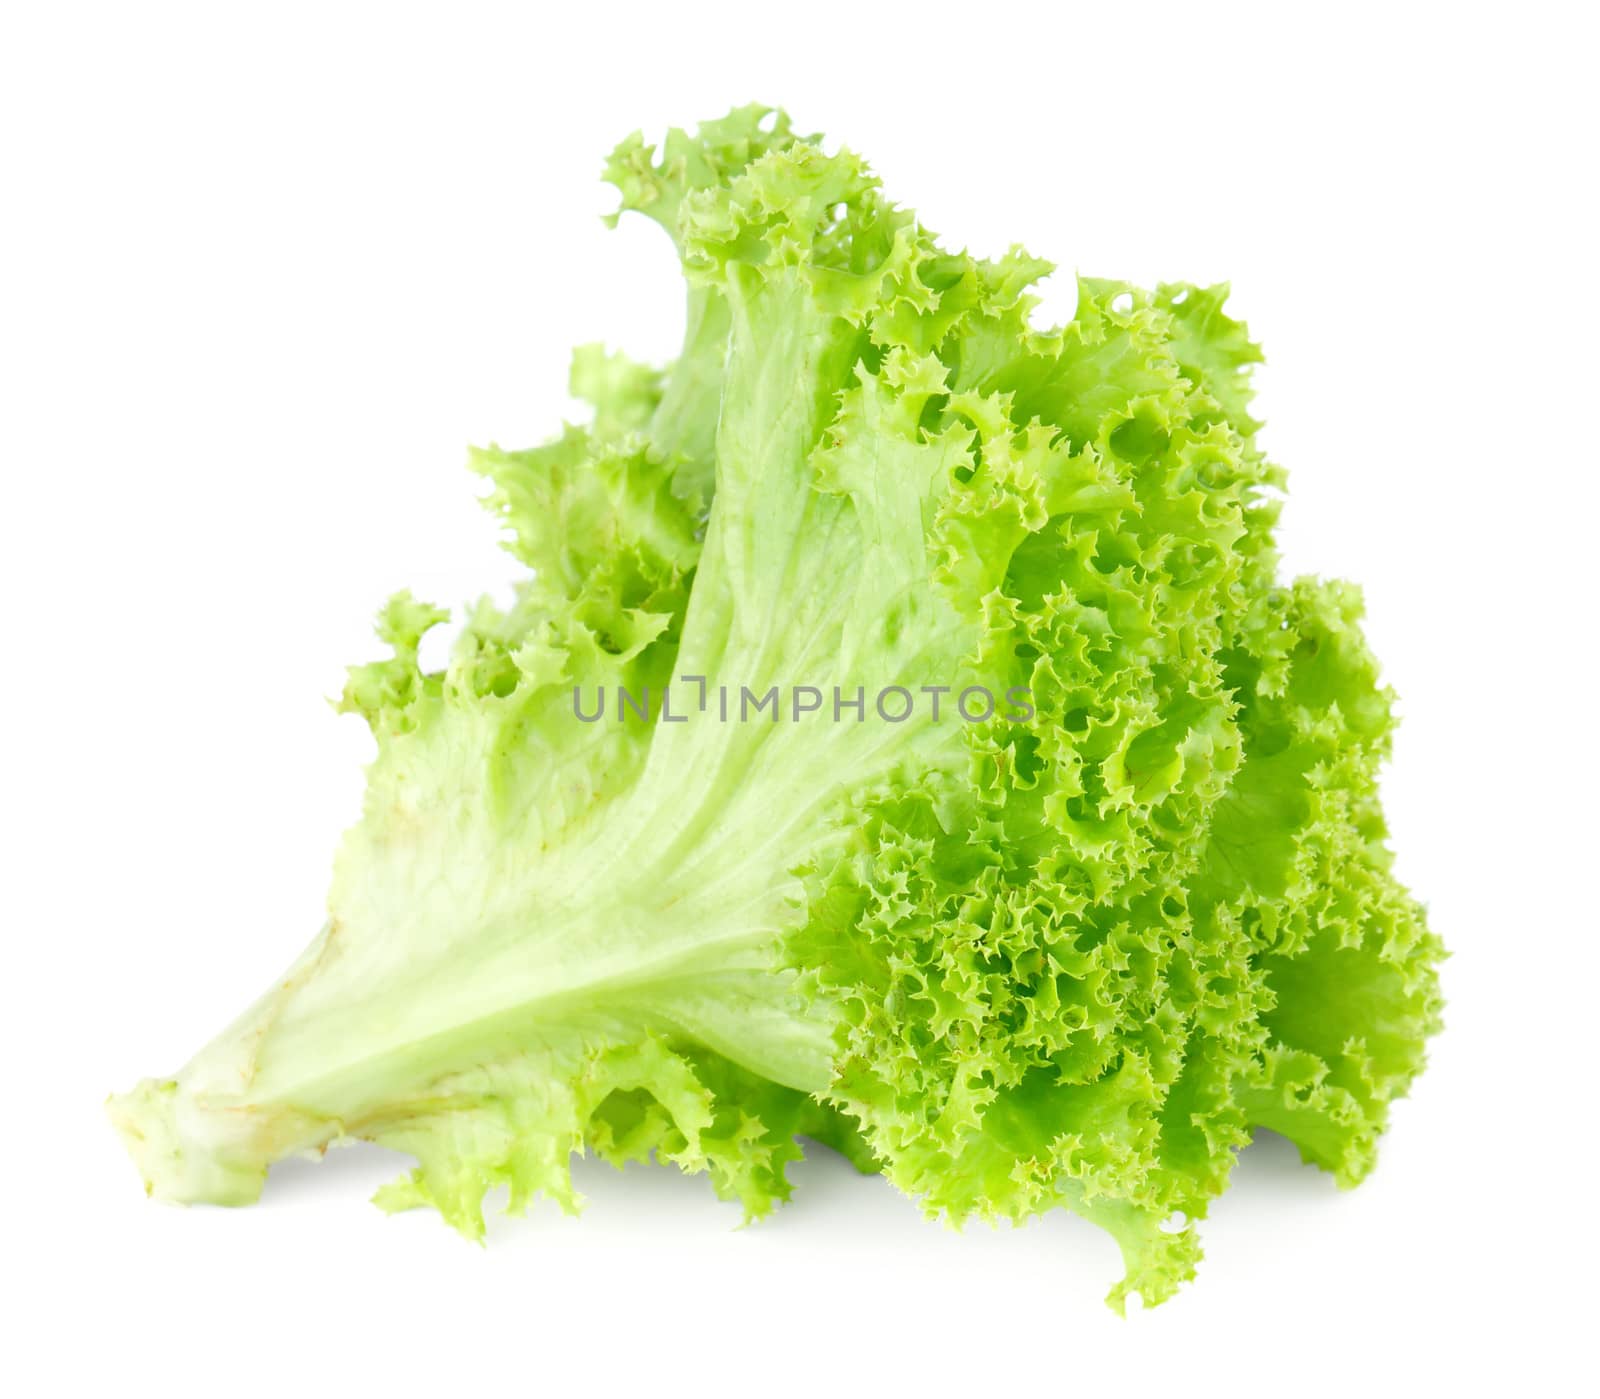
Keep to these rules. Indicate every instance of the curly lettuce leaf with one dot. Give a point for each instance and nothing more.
(1069, 958)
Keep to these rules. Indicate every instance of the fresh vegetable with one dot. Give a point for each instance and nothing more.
(1069, 951)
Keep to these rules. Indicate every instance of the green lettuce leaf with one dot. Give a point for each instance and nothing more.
(1066, 951)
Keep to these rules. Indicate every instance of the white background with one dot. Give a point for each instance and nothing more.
(266, 271)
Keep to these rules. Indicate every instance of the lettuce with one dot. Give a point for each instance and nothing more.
(656, 866)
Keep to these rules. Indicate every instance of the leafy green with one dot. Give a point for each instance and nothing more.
(1066, 954)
